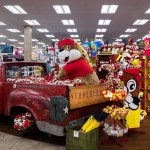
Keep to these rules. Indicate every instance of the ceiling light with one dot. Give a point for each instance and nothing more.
(13, 40)
(2, 43)
(40, 43)
(68, 22)
(62, 9)
(118, 40)
(104, 22)
(148, 11)
(72, 30)
(131, 30)
(13, 30)
(50, 36)
(55, 40)
(20, 42)
(3, 36)
(140, 22)
(35, 40)
(74, 36)
(109, 9)
(138, 39)
(2, 24)
(98, 39)
(15, 9)
(22, 35)
(124, 35)
(145, 36)
(99, 35)
(77, 40)
(101, 30)
(42, 30)
(32, 22)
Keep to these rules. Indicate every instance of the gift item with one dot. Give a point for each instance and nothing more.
(77, 140)
(23, 121)
(117, 132)
(116, 113)
(116, 95)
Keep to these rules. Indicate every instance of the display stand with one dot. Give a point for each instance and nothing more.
(113, 139)
(132, 131)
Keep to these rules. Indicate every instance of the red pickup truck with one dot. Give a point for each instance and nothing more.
(53, 107)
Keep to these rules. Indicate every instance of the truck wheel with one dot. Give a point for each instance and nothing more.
(25, 124)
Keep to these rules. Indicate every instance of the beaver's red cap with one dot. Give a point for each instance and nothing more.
(68, 41)
(135, 72)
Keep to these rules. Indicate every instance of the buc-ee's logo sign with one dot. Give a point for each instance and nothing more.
(147, 42)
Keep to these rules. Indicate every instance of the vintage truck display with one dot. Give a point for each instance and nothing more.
(53, 107)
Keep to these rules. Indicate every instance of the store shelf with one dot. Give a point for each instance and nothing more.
(146, 82)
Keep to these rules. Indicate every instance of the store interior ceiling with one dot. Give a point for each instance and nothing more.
(85, 14)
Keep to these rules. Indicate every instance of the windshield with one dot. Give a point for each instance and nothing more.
(24, 71)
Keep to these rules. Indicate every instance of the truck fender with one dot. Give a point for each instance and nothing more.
(36, 101)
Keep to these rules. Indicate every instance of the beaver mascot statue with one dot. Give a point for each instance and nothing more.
(76, 65)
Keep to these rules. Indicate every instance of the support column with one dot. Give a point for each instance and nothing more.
(27, 43)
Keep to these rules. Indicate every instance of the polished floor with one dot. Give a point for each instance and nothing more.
(11, 140)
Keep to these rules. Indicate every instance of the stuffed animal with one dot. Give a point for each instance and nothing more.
(76, 66)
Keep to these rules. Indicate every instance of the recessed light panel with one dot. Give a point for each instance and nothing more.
(140, 22)
(16, 9)
(62, 9)
(13, 40)
(50, 36)
(20, 42)
(72, 30)
(32, 22)
(109, 9)
(67, 22)
(104, 22)
(101, 30)
(22, 35)
(34, 40)
(13, 30)
(148, 11)
(3, 36)
(118, 40)
(2, 24)
(99, 36)
(124, 35)
(42, 30)
(74, 36)
(55, 40)
(40, 43)
(131, 30)
(77, 40)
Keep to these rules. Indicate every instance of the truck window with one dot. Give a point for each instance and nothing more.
(24, 71)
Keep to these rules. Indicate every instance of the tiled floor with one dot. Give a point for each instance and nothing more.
(11, 142)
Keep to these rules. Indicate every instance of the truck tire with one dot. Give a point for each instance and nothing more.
(25, 124)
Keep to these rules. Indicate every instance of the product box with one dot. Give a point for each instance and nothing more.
(76, 140)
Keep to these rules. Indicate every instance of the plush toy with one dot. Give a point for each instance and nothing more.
(76, 66)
